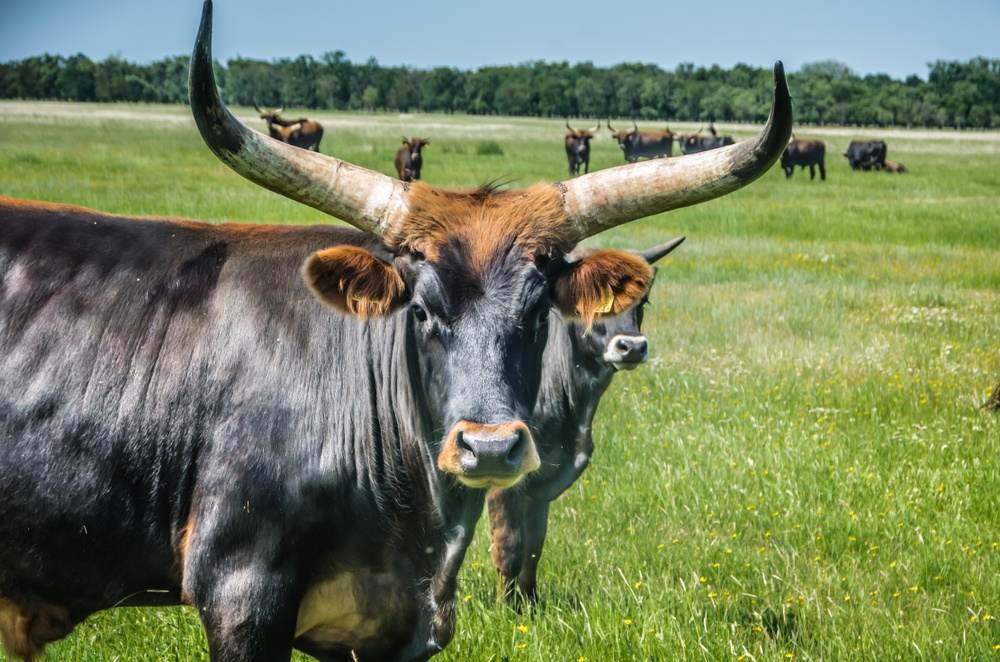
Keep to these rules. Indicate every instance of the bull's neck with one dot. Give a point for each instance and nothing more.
(588, 375)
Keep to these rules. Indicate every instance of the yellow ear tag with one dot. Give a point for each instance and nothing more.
(606, 304)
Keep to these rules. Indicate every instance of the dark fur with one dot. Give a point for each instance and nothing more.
(811, 153)
(692, 144)
(637, 144)
(409, 158)
(179, 413)
(866, 154)
(578, 149)
(575, 375)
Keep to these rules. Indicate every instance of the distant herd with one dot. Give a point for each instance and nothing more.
(635, 144)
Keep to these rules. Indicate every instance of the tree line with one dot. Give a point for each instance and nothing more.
(955, 94)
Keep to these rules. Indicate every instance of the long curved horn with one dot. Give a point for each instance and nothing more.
(366, 199)
(653, 254)
(608, 198)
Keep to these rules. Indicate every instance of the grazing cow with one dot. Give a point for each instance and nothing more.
(291, 429)
(302, 132)
(636, 144)
(408, 158)
(893, 166)
(866, 154)
(577, 369)
(693, 143)
(804, 153)
(578, 148)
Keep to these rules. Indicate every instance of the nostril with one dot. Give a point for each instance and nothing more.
(641, 345)
(462, 444)
(623, 344)
(516, 452)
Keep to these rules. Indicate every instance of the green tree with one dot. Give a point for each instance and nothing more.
(76, 79)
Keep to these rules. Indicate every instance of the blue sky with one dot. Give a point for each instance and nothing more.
(897, 37)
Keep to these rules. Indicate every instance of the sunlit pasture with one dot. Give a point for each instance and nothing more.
(801, 471)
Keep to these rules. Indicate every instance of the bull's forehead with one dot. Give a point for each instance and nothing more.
(484, 223)
(500, 289)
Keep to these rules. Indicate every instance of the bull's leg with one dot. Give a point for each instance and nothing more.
(812, 172)
(241, 577)
(506, 508)
(822, 171)
(247, 609)
(536, 522)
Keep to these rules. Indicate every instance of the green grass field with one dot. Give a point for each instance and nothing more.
(800, 472)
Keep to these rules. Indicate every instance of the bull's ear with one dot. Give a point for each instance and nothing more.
(352, 280)
(602, 283)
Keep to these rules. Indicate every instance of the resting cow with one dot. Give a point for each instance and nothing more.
(894, 167)
(577, 369)
(288, 428)
(811, 153)
(409, 160)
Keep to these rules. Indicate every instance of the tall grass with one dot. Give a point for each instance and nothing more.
(801, 471)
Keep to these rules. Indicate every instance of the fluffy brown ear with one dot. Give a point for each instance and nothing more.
(603, 283)
(352, 280)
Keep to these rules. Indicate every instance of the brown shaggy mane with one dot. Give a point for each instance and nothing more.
(482, 219)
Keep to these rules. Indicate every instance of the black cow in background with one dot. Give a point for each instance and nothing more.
(694, 143)
(577, 368)
(636, 144)
(811, 153)
(578, 148)
(866, 154)
(409, 160)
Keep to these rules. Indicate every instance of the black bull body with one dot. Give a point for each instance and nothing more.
(578, 148)
(637, 144)
(578, 366)
(866, 154)
(291, 429)
(693, 144)
(804, 153)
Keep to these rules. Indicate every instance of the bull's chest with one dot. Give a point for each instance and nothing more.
(372, 612)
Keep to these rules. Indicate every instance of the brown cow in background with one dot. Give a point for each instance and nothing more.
(409, 160)
(304, 133)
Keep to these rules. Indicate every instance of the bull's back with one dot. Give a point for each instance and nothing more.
(128, 350)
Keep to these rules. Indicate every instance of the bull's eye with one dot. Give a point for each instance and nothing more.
(541, 320)
(419, 312)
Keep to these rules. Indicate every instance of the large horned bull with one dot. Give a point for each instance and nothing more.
(183, 421)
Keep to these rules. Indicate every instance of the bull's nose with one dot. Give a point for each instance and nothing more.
(484, 452)
(626, 351)
(489, 454)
